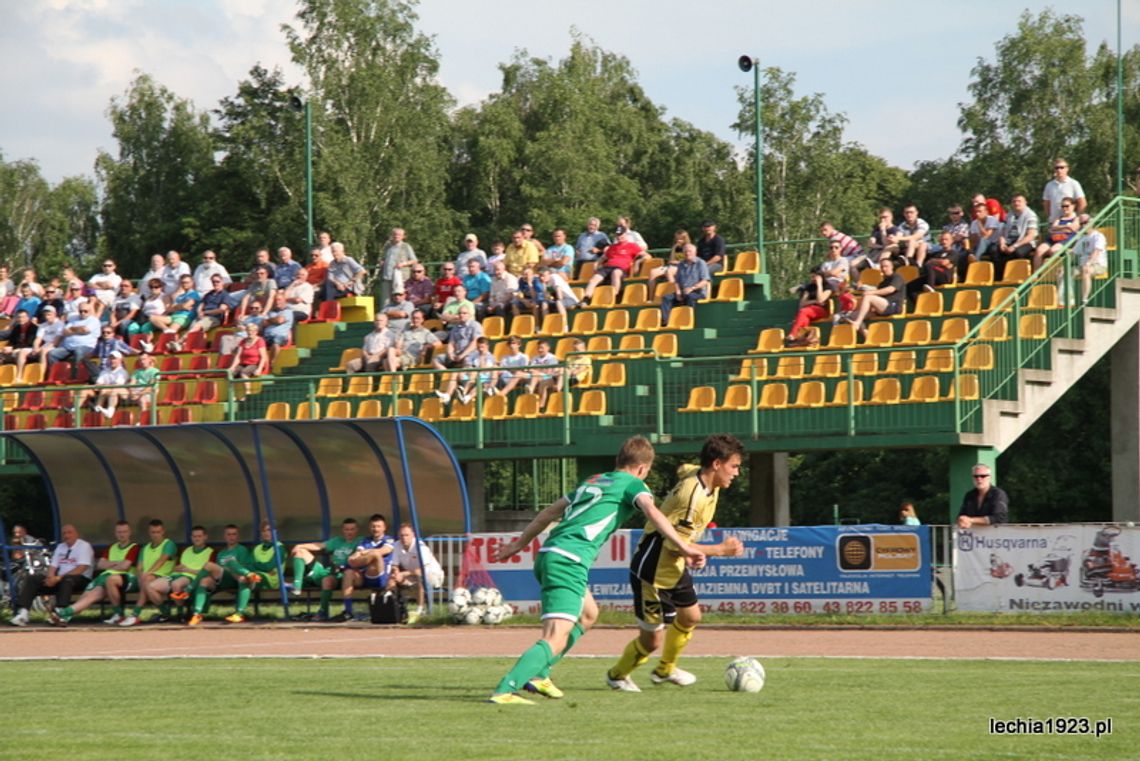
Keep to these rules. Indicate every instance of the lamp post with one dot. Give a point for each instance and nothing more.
(1119, 107)
(748, 63)
(299, 105)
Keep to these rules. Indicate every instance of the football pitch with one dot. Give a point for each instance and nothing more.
(430, 708)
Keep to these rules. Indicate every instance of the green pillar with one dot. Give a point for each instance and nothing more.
(962, 462)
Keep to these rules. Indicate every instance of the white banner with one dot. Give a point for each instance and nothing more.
(1041, 569)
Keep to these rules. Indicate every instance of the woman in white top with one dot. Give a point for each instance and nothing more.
(154, 303)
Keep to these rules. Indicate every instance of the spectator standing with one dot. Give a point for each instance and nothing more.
(471, 251)
(985, 504)
(204, 272)
(399, 256)
(345, 275)
(1062, 186)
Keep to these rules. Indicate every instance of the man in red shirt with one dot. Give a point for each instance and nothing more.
(615, 263)
(445, 286)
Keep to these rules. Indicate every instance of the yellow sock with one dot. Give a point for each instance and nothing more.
(676, 638)
(633, 656)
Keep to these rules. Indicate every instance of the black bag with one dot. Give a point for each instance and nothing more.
(386, 608)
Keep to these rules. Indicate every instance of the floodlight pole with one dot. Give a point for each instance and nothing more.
(297, 104)
(1119, 105)
(748, 63)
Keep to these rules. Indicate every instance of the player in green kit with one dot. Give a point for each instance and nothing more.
(156, 561)
(588, 516)
(307, 568)
(117, 577)
(230, 569)
(182, 584)
(265, 559)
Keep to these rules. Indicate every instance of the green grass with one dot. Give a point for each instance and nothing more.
(425, 709)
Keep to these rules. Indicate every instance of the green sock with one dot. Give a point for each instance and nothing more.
(243, 595)
(118, 610)
(201, 594)
(298, 572)
(66, 613)
(326, 600)
(164, 609)
(137, 611)
(529, 665)
(571, 638)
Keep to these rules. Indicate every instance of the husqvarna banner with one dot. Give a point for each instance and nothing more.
(813, 569)
(1071, 567)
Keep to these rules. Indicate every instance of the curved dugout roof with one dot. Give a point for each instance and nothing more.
(303, 476)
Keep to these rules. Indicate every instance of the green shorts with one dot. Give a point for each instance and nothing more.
(227, 581)
(320, 571)
(181, 319)
(130, 582)
(563, 583)
(269, 580)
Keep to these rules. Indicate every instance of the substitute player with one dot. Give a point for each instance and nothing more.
(156, 561)
(588, 516)
(116, 578)
(368, 565)
(230, 569)
(307, 568)
(664, 598)
(266, 557)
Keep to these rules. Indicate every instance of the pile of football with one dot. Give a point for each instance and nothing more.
(483, 605)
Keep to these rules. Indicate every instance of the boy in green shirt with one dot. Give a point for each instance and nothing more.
(588, 516)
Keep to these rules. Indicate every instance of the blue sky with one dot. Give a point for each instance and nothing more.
(898, 70)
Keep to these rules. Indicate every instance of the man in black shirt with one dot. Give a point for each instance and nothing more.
(985, 504)
(710, 247)
(885, 300)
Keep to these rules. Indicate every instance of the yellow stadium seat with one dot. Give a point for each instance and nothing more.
(632, 342)
(769, 340)
(593, 402)
(900, 363)
(1033, 326)
(404, 408)
(879, 334)
(495, 407)
(585, 272)
(564, 347)
(907, 272)
(390, 383)
(842, 337)
(7, 375)
(938, 361)
(461, 411)
(420, 383)
(928, 305)
(339, 409)
(33, 375)
(967, 302)
(277, 411)
(648, 320)
(737, 397)
(924, 388)
(359, 385)
(865, 364)
(916, 333)
(978, 357)
(980, 273)
(634, 295)
(555, 406)
(1043, 297)
(617, 321)
(809, 394)
(968, 388)
(501, 349)
(774, 396)
(754, 367)
(526, 406)
(598, 344)
(612, 375)
(745, 263)
(346, 356)
(531, 348)
(660, 290)
(522, 325)
(665, 344)
(585, 323)
(603, 298)
(730, 289)
(790, 367)
(871, 277)
(553, 325)
(494, 327)
(886, 391)
(330, 387)
(682, 318)
(841, 397)
(995, 328)
(648, 265)
(1017, 271)
(431, 409)
(701, 399)
(953, 330)
(1001, 294)
(307, 411)
(827, 366)
(370, 408)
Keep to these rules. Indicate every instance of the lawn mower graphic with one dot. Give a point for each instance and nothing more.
(1054, 572)
(1105, 568)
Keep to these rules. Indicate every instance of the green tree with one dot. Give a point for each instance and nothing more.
(381, 124)
(44, 226)
(153, 190)
(23, 203)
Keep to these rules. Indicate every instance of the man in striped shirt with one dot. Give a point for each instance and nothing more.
(849, 248)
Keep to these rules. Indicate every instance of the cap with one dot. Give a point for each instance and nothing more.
(398, 290)
(117, 353)
(470, 236)
(620, 230)
(708, 223)
(48, 308)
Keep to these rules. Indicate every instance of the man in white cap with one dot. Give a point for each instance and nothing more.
(470, 251)
(115, 378)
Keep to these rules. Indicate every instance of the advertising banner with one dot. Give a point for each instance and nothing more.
(816, 569)
(1071, 567)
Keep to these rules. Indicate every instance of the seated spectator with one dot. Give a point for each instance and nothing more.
(51, 298)
(504, 287)
(251, 359)
(543, 382)
(414, 344)
(445, 287)
(913, 237)
(277, 328)
(531, 295)
(73, 298)
(378, 346)
(1061, 230)
(521, 253)
(299, 295)
(105, 400)
(143, 381)
(985, 232)
(31, 561)
(498, 254)
(579, 366)
(367, 566)
(470, 252)
(105, 286)
(938, 269)
(307, 569)
(317, 270)
(173, 272)
(324, 245)
(231, 569)
(345, 275)
(449, 314)
(48, 335)
(181, 308)
(28, 302)
(116, 577)
(286, 270)
(908, 516)
(615, 263)
(559, 257)
(78, 338)
(559, 295)
(399, 310)
(527, 230)
(461, 342)
(227, 343)
(124, 309)
(958, 228)
(669, 268)
(849, 248)
(883, 243)
(1018, 239)
(512, 364)
(19, 337)
(68, 573)
(214, 306)
(412, 563)
(885, 300)
(1092, 255)
(268, 558)
(261, 289)
(591, 243)
(836, 269)
(478, 285)
(154, 304)
(634, 235)
(107, 344)
(8, 296)
(157, 265)
(261, 258)
(156, 561)
(993, 206)
(420, 290)
(690, 283)
(479, 361)
(184, 582)
(711, 248)
(814, 305)
(204, 273)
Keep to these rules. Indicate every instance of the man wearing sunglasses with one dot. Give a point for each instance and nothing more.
(985, 504)
(1060, 187)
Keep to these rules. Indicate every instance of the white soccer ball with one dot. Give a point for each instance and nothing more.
(744, 675)
(474, 615)
(493, 615)
(460, 597)
(508, 610)
(456, 609)
(486, 596)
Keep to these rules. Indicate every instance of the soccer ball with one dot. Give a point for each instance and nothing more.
(455, 609)
(508, 610)
(486, 596)
(460, 597)
(493, 615)
(473, 615)
(744, 675)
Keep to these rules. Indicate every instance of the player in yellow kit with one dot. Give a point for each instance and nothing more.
(664, 598)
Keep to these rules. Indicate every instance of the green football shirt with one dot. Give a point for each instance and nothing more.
(264, 559)
(597, 508)
(339, 549)
(236, 560)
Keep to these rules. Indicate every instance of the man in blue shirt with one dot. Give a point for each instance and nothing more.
(285, 272)
(368, 565)
(690, 283)
(478, 285)
(278, 326)
(592, 242)
(79, 338)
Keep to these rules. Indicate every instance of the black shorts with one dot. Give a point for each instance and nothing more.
(656, 608)
(608, 272)
(893, 307)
